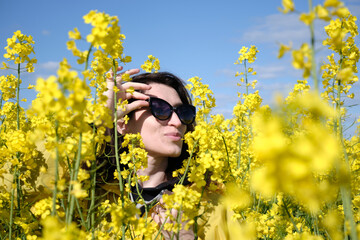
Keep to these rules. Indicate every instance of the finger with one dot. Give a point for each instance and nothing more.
(131, 107)
(129, 72)
(136, 86)
(156, 218)
(174, 213)
(112, 73)
(118, 76)
(136, 95)
(132, 71)
(137, 105)
(159, 215)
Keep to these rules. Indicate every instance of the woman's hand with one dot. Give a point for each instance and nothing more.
(123, 94)
(159, 216)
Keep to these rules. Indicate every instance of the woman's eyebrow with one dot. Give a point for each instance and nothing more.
(178, 104)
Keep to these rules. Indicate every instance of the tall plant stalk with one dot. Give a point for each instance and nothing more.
(345, 190)
(312, 52)
(16, 181)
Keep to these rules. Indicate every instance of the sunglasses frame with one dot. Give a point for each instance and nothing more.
(173, 109)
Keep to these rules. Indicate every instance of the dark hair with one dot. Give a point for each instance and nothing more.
(176, 83)
(174, 163)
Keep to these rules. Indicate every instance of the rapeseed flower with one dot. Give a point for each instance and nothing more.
(284, 172)
(152, 64)
(19, 48)
(288, 6)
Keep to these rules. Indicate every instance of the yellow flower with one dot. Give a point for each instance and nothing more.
(115, 89)
(293, 163)
(342, 12)
(77, 191)
(152, 64)
(126, 77)
(74, 34)
(307, 18)
(247, 54)
(82, 175)
(19, 48)
(283, 49)
(130, 90)
(302, 59)
(5, 66)
(236, 198)
(8, 86)
(183, 199)
(55, 229)
(332, 3)
(345, 75)
(43, 208)
(322, 13)
(288, 6)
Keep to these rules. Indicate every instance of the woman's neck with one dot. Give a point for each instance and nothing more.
(156, 170)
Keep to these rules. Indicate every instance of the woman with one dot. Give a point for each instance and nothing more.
(160, 110)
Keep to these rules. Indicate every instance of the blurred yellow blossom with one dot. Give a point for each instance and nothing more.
(283, 49)
(333, 3)
(307, 18)
(75, 34)
(322, 13)
(288, 6)
(152, 64)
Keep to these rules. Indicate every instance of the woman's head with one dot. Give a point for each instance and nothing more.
(162, 138)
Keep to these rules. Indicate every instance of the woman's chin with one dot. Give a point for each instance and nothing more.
(175, 153)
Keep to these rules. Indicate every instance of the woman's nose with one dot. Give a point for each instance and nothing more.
(175, 120)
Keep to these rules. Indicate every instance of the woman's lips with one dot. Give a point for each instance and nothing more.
(174, 136)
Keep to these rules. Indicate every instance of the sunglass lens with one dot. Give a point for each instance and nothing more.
(186, 114)
(161, 109)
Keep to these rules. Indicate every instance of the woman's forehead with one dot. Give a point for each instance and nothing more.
(158, 89)
(164, 92)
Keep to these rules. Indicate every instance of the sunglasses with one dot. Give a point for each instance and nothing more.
(162, 110)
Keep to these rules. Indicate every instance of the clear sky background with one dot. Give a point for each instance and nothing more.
(190, 38)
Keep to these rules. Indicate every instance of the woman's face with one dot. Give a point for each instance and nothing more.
(162, 138)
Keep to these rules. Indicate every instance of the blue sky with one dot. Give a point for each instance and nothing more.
(190, 38)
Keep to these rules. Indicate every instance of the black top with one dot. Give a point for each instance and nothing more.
(154, 194)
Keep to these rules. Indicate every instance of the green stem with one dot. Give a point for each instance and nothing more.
(18, 98)
(246, 78)
(196, 218)
(87, 57)
(239, 152)
(346, 199)
(121, 182)
(345, 190)
(178, 220)
(188, 163)
(91, 223)
(1, 99)
(90, 220)
(12, 197)
(81, 214)
(227, 155)
(139, 193)
(161, 227)
(290, 216)
(73, 178)
(312, 53)
(121, 185)
(53, 213)
(16, 179)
